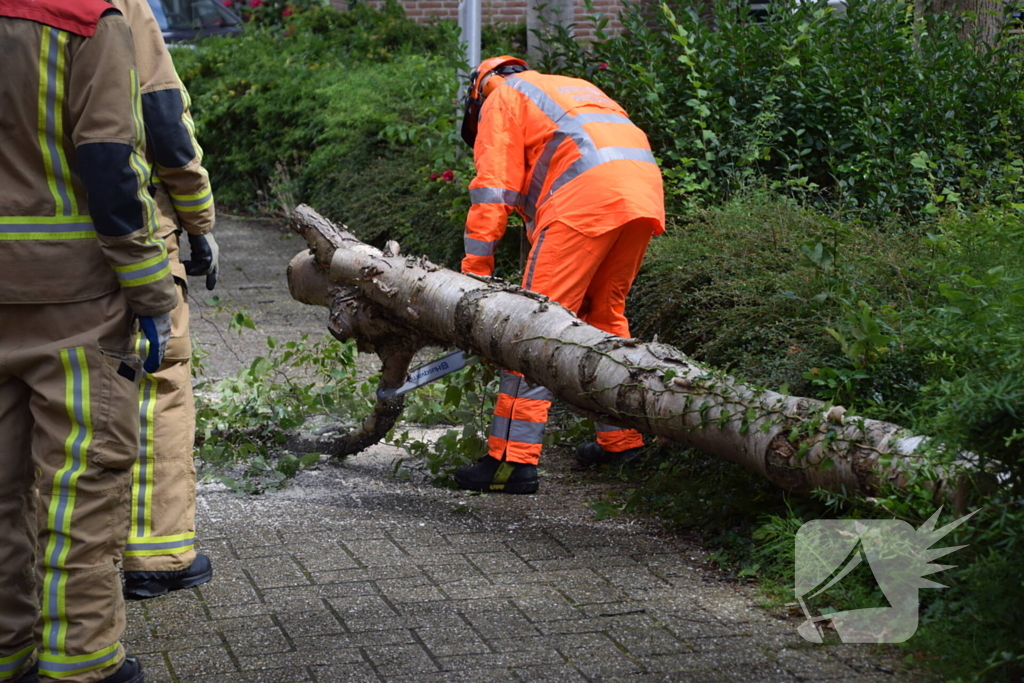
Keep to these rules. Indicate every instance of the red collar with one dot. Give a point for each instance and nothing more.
(75, 16)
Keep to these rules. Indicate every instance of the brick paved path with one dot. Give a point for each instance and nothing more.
(352, 575)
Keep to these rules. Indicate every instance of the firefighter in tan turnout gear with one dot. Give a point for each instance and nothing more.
(160, 556)
(78, 264)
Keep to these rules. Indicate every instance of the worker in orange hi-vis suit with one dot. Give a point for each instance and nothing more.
(566, 157)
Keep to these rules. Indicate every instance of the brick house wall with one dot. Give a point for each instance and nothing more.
(498, 11)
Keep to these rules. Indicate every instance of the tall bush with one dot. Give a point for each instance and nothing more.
(869, 109)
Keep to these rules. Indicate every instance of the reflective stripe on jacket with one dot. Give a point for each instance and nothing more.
(556, 148)
(170, 133)
(76, 218)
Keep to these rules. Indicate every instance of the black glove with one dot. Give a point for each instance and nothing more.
(204, 258)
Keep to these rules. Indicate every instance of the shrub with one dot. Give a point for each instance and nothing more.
(833, 106)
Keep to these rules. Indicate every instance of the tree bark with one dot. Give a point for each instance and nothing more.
(797, 443)
(986, 16)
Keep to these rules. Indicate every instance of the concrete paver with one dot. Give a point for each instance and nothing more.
(349, 574)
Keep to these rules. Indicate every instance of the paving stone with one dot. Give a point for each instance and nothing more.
(358, 607)
(154, 666)
(605, 663)
(474, 676)
(311, 623)
(444, 642)
(276, 572)
(646, 641)
(360, 672)
(260, 641)
(213, 662)
(501, 659)
(397, 660)
(372, 553)
(502, 562)
(291, 674)
(409, 590)
(538, 674)
(546, 604)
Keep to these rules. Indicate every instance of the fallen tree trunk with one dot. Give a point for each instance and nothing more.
(410, 302)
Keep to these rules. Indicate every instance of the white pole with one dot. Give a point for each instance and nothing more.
(469, 25)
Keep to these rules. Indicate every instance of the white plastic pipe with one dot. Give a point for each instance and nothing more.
(469, 26)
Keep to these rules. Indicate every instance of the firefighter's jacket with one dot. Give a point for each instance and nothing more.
(555, 148)
(171, 146)
(76, 216)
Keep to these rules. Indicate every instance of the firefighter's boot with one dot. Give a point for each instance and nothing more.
(590, 453)
(496, 476)
(30, 676)
(143, 585)
(130, 672)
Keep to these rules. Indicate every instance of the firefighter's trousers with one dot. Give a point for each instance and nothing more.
(162, 531)
(69, 421)
(591, 276)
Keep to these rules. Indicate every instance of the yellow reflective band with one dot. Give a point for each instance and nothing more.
(142, 472)
(140, 265)
(151, 546)
(62, 501)
(152, 277)
(190, 197)
(50, 117)
(64, 666)
(10, 666)
(58, 107)
(143, 171)
(192, 209)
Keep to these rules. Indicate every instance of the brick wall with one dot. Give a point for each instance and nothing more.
(497, 11)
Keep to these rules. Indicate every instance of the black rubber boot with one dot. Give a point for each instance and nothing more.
(130, 672)
(30, 676)
(143, 585)
(590, 453)
(497, 476)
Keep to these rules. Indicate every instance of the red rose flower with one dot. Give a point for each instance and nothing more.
(434, 176)
(255, 3)
(228, 3)
(448, 175)
(602, 66)
(287, 12)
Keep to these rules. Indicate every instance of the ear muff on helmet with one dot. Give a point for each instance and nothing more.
(482, 82)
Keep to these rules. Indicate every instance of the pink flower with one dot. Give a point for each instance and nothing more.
(434, 176)
(448, 175)
(602, 66)
(228, 3)
(287, 12)
(255, 3)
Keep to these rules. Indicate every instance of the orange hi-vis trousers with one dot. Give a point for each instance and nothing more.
(590, 275)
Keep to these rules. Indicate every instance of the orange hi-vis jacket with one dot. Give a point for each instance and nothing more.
(76, 217)
(556, 148)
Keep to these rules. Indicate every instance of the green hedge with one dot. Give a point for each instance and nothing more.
(866, 109)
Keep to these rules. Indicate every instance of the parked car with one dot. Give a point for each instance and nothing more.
(190, 20)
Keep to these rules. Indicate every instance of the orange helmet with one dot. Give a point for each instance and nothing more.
(485, 78)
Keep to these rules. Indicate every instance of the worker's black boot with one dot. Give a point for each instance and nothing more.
(130, 672)
(30, 676)
(590, 453)
(498, 476)
(143, 585)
